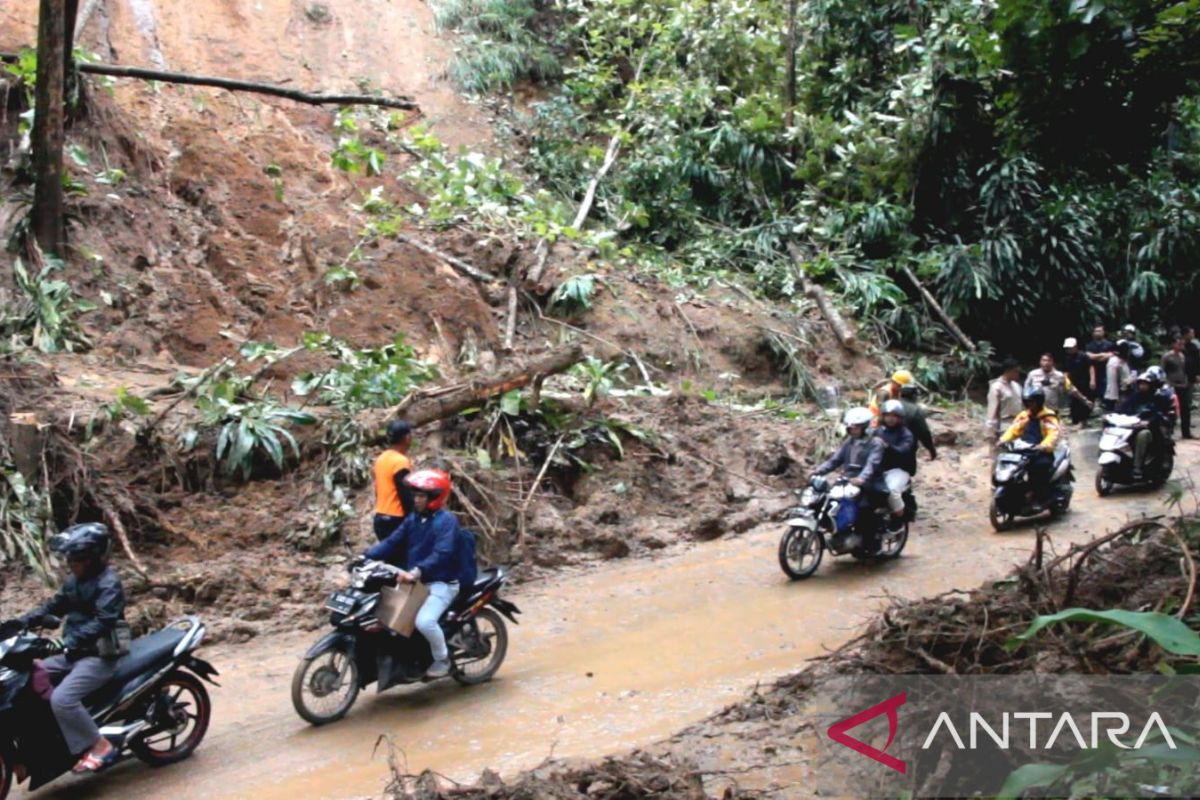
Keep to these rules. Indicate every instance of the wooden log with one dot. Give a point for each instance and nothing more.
(516, 375)
(841, 328)
(233, 85)
(938, 311)
(28, 440)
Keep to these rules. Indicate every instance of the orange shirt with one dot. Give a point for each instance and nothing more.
(387, 500)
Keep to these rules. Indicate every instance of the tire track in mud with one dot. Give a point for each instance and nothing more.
(609, 659)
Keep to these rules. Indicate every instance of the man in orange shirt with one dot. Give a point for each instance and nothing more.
(393, 497)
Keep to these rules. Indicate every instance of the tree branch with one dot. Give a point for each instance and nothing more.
(233, 85)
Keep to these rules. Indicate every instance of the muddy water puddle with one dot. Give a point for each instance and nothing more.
(602, 661)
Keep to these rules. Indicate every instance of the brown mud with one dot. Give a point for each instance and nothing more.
(617, 658)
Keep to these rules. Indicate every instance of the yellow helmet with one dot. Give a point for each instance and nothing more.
(902, 377)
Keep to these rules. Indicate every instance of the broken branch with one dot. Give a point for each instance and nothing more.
(938, 311)
(842, 329)
(233, 85)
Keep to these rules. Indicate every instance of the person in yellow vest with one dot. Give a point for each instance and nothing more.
(891, 391)
(1038, 426)
(393, 496)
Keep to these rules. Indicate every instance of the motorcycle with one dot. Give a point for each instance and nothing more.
(1116, 455)
(1012, 497)
(155, 707)
(812, 528)
(361, 650)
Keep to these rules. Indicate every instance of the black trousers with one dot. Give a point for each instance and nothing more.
(1041, 467)
(1080, 410)
(385, 524)
(1185, 409)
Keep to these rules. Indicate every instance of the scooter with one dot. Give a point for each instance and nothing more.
(1012, 497)
(1116, 455)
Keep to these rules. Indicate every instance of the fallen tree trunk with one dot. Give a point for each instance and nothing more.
(841, 328)
(938, 311)
(233, 85)
(431, 408)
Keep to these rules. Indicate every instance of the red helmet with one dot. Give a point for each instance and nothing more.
(433, 482)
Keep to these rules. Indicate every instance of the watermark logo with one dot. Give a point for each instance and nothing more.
(837, 731)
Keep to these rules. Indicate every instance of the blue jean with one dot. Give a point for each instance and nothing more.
(441, 595)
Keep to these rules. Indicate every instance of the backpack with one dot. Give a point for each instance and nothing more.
(467, 571)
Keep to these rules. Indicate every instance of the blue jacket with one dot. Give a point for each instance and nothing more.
(900, 448)
(428, 542)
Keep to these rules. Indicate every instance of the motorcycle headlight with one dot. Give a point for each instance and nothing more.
(808, 498)
(1004, 473)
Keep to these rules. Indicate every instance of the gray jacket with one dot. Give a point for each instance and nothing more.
(858, 458)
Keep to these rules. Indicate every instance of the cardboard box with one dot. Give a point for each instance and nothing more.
(398, 606)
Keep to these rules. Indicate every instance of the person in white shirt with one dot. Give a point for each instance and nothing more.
(1004, 399)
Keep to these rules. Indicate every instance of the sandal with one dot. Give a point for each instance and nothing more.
(93, 763)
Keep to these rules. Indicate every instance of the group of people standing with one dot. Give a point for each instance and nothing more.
(1101, 372)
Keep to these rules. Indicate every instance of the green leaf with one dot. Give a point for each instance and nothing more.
(510, 403)
(1030, 776)
(1166, 631)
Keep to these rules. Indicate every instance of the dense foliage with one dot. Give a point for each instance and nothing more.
(1031, 161)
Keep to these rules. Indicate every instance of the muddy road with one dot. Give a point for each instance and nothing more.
(607, 660)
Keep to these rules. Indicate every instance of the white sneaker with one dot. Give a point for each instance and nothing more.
(438, 669)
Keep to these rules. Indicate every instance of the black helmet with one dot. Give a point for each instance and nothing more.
(89, 540)
(1034, 394)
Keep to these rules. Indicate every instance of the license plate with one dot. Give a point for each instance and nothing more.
(341, 603)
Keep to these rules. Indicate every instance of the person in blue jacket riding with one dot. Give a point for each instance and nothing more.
(426, 547)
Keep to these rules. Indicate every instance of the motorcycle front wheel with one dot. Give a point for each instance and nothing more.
(1104, 481)
(800, 552)
(1001, 520)
(324, 687)
(179, 714)
(486, 637)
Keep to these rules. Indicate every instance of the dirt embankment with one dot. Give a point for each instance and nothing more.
(207, 219)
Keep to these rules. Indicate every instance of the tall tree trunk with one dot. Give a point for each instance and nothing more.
(48, 225)
(70, 14)
(790, 117)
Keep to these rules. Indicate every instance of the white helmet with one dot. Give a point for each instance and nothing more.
(858, 416)
(894, 407)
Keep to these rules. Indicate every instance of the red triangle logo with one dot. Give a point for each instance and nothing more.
(837, 731)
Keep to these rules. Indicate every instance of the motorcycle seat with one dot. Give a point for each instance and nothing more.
(146, 655)
(467, 593)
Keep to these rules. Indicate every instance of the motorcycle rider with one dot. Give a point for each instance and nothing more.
(899, 460)
(1155, 403)
(1038, 426)
(93, 602)
(859, 458)
(426, 547)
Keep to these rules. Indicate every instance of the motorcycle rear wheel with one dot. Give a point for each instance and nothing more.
(1104, 481)
(188, 719)
(318, 682)
(888, 552)
(464, 671)
(796, 544)
(1001, 520)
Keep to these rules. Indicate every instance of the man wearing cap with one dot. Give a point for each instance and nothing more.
(1137, 353)
(1081, 371)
